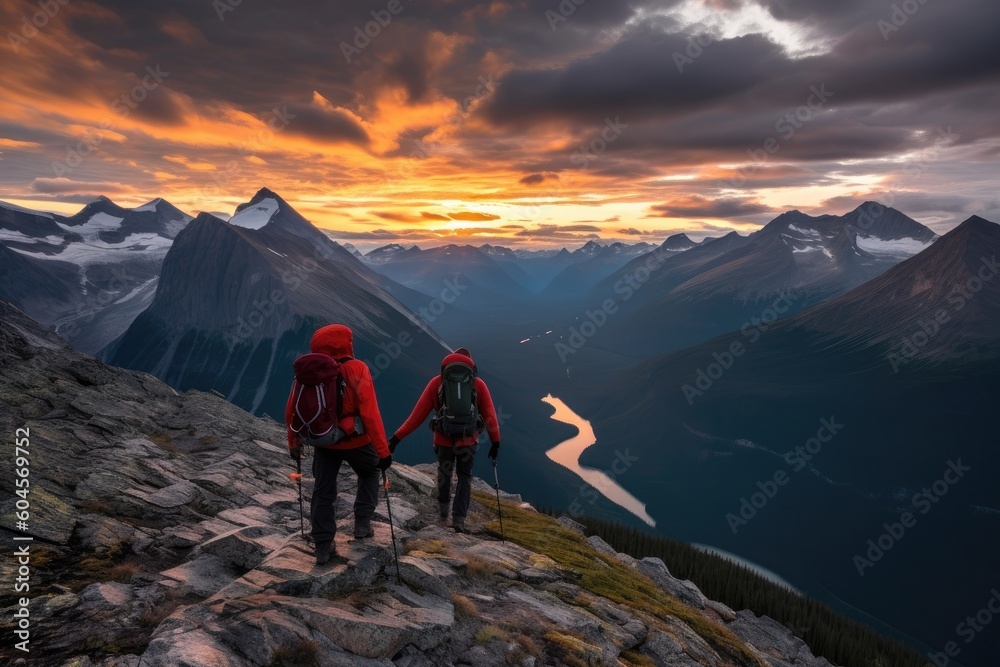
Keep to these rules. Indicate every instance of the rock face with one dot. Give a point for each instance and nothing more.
(167, 534)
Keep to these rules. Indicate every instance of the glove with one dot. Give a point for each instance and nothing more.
(383, 464)
(295, 452)
(494, 450)
(393, 441)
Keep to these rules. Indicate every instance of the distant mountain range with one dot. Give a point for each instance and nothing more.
(906, 365)
(668, 300)
(90, 274)
(554, 272)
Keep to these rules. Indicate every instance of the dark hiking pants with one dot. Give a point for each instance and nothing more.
(326, 465)
(450, 458)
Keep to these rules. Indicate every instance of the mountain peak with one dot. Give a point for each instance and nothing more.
(265, 193)
(678, 242)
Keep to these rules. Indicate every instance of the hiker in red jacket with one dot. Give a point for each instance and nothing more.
(367, 453)
(455, 448)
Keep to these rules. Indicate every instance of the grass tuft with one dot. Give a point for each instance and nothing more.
(433, 547)
(464, 607)
(477, 567)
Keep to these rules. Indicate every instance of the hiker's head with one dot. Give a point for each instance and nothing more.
(456, 357)
(333, 339)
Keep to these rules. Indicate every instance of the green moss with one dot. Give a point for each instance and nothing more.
(607, 577)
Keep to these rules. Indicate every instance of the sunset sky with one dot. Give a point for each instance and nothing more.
(528, 123)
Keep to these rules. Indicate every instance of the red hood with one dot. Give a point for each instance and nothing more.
(454, 357)
(335, 340)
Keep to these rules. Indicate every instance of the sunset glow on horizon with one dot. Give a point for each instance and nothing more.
(502, 122)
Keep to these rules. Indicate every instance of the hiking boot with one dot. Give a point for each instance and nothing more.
(443, 510)
(459, 526)
(363, 529)
(323, 552)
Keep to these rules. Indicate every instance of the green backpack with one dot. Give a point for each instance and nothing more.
(458, 415)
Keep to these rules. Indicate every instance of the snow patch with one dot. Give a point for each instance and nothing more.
(21, 237)
(906, 247)
(808, 233)
(95, 251)
(99, 222)
(256, 216)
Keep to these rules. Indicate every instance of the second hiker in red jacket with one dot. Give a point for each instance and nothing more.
(463, 409)
(367, 453)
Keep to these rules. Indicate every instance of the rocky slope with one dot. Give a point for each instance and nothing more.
(167, 533)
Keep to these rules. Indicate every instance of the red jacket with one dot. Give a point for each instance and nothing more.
(337, 341)
(429, 401)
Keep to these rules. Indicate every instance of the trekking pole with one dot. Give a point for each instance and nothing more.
(392, 530)
(298, 479)
(496, 486)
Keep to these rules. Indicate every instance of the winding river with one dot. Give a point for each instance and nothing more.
(567, 454)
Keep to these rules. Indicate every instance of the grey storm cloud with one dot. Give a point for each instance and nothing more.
(698, 206)
(893, 80)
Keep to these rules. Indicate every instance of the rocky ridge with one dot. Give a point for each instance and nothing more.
(167, 533)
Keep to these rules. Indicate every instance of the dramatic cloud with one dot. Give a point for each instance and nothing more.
(694, 206)
(473, 216)
(725, 111)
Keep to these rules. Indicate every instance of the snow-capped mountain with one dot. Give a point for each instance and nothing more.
(238, 301)
(349, 247)
(718, 285)
(100, 265)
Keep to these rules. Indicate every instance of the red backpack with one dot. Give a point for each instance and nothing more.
(318, 392)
